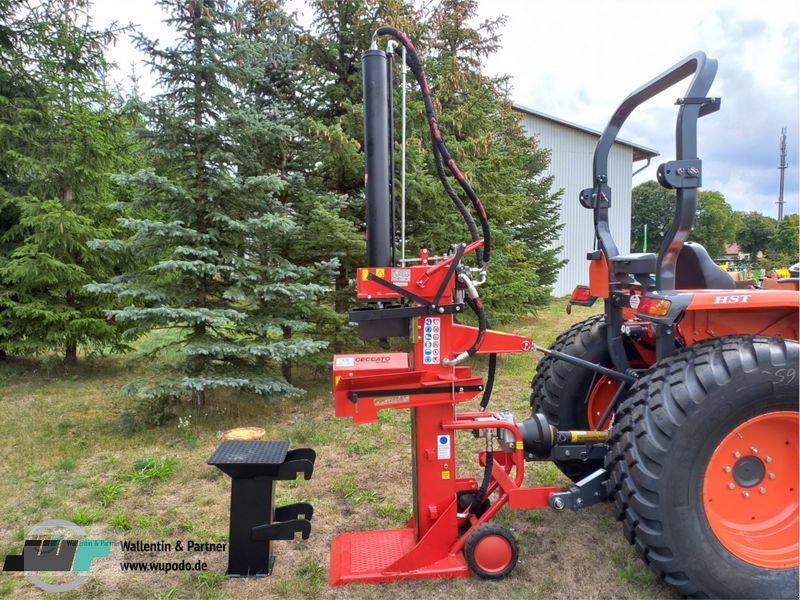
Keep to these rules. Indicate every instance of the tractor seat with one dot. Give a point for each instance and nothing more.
(696, 271)
(636, 263)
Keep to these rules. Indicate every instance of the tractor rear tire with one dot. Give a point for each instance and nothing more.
(560, 389)
(703, 468)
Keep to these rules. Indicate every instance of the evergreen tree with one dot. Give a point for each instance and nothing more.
(59, 147)
(481, 130)
(16, 90)
(331, 104)
(504, 166)
(221, 206)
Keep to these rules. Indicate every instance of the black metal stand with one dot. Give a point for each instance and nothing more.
(255, 523)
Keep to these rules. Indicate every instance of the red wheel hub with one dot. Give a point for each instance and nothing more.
(493, 553)
(750, 491)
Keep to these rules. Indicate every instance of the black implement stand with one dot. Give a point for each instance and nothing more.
(253, 468)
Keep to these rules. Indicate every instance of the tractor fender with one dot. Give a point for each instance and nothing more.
(751, 299)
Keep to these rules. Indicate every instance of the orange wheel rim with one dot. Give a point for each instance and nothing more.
(750, 491)
(600, 397)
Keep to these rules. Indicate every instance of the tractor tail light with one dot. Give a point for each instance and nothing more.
(581, 296)
(654, 307)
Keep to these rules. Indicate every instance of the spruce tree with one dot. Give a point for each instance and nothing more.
(331, 108)
(482, 132)
(220, 206)
(59, 144)
(16, 90)
(504, 166)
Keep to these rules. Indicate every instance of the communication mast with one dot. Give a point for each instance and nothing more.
(782, 169)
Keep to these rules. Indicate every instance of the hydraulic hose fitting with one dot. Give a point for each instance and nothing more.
(472, 291)
(481, 277)
(451, 362)
(505, 437)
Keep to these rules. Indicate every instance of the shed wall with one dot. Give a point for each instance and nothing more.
(571, 167)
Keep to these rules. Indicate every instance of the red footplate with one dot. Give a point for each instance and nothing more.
(370, 556)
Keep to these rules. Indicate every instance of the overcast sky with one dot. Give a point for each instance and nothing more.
(578, 59)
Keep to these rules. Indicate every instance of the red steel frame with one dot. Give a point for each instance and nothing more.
(430, 545)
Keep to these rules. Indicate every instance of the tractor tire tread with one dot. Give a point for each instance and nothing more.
(640, 442)
(554, 378)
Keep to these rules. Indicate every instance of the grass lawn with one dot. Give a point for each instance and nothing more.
(62, 455)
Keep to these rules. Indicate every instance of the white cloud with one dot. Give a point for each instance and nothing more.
(578, 59)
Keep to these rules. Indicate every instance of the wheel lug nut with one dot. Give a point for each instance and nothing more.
(728, 469)
(762, 490)
(731, 486)
(768, 458)
(754, 450)
(772, 475)
(737, 454)
(746, 494)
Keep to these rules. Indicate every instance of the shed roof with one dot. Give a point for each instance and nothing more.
(639, 152)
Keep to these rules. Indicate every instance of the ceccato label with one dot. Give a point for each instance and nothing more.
(367, 362)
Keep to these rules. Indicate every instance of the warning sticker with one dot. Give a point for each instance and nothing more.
(431, 342)
(400, 276)
(443, 447)
(346, 361)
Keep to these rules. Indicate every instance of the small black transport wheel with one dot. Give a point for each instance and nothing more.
(703, 468)
(491, 551)
(561, 390)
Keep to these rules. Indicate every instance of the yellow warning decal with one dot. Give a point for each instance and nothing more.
(519, 445)
(365, 274)
(336, 380)
(379, 272)
(445, 474)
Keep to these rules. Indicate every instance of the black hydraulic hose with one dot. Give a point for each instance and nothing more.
(483, 324)
(439, 147)
(481, 492)
(462, 209)
(487, 390)
(490, 373)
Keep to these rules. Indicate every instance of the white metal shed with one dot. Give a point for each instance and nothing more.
(572, 147)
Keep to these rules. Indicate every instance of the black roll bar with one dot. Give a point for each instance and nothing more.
(683, 174)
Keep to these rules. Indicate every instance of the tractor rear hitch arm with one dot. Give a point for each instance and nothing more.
(588, 491)
(623, 377)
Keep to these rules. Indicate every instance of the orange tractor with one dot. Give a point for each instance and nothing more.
(702, 459)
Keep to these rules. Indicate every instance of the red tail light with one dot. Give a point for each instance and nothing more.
(655, 307)
(581, 294)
